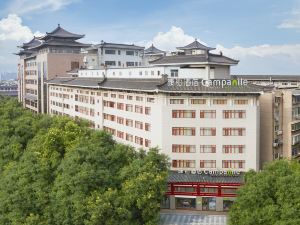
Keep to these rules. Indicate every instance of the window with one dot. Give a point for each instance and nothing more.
(207, 163)
(233, 164)
(129, 137)
(128, 64)
(120, 134)
(129, 107)
(241, 101)
(183, 163)
(207, 131)
(74, 65)
(150, 100)
(183, 148)
(234, 131)
(147, 143)
(147, 127)
(220, 101)
(183, 131)
(139, 109)
(110, 52)
(92, 112)
(109, 104)
(113, 95)
(129, 52)
(198, 101)
(234, 114)
(120, 106)
(207, 149)
(176, 101)
(129, 97)
(129, 122)
(120, 120)
(138, 98)
(174, 73)
(121, 96)
(183, 113)
(233, 149)
(139, 125)
(110, 63)
(207, 113)
(147, 110)
(119, 52)
(138, 140)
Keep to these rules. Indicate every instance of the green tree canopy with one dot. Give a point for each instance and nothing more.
(57, 171)
(269, 197)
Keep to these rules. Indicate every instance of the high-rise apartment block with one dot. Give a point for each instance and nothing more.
(45, 58)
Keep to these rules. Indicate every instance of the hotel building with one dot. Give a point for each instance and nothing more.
(198, 127)
(45, 58)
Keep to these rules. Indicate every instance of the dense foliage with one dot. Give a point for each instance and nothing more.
(57, 171)
(269, 197)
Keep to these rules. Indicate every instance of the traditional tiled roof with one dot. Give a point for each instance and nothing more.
(188, 59)
(153, 50)
(175, 177)
(34, 42)
(195, 45)
(152, 85)
(59, 32)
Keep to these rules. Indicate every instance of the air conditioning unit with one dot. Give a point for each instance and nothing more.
(275, 144)
(279, 132)
(276, 104)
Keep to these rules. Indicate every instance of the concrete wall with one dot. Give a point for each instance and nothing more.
(266, 128)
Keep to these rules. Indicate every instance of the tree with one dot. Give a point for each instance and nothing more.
(269, 197)
(57, 171)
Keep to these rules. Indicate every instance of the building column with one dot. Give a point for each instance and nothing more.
(199, 203)
(172, 202)
(219, 204)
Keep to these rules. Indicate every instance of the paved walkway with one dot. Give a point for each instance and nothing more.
(191, 219)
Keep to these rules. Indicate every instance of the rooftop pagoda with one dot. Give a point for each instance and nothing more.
(196, 45)
(60, 33)
(152, 50)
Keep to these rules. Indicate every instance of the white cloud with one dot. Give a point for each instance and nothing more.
(12, 33)
(265, 59)
(171, 39)
(291, 51)
(21, 7)
(11, 28)
(291, 23)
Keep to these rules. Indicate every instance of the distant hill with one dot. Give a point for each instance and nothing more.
(8, 76)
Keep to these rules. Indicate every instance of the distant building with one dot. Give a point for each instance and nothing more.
(276, 81)
(112, 55)
(280, 124)
(9, 88)
(45, 58)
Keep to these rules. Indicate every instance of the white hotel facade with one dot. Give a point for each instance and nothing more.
(197, 127)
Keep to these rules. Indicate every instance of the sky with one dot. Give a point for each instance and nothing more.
(263, 34)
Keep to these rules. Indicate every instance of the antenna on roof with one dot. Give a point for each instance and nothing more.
(58, 25)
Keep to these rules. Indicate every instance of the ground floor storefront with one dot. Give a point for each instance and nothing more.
(201, 192)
